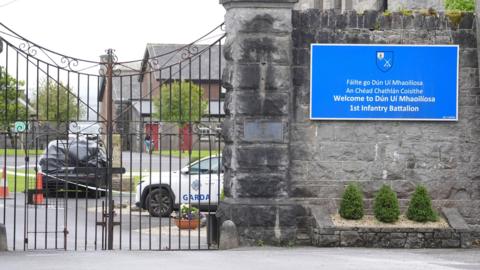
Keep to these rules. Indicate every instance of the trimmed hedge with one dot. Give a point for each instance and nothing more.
(351, 206)
(386, 207)
(420, 206)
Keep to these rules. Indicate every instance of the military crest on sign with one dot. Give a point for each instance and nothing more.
(384, 61)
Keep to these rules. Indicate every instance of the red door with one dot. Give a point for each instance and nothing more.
(152, 129)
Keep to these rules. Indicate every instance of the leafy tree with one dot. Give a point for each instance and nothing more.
(351, 206)
(12, 102)
(461, 5)
(385, 206)
(180, 102)
(56, 103)
(420, 206)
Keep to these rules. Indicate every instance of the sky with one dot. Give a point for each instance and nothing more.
(86, 28)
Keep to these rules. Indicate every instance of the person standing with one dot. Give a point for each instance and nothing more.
(148, 143)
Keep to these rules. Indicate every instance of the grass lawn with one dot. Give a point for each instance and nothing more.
(196, 154)
(136, 180)
(20, 152)
(20, 180)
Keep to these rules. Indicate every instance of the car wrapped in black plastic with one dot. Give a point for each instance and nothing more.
(73, 165)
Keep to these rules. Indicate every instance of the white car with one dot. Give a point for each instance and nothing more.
(199, 184)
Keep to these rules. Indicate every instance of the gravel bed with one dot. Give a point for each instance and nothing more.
(369, 221)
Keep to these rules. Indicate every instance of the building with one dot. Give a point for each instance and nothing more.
(198, 64)
(135, 85)
(362, 5)
(125, 92)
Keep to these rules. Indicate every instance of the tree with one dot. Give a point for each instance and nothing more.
(385, 206)
(181, 103)
(351, 206)
(56, 103)
(420, 206)
(12, 102)
(460, 5)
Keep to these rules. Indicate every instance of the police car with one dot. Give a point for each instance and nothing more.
(198, 184)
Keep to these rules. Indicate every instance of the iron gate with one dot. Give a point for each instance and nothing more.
(108, 154)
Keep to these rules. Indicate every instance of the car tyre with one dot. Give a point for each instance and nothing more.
(159, 203)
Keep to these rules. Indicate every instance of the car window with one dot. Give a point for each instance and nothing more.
(206, 166)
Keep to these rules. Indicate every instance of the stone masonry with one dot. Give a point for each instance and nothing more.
(477, 10)
(362, 5)
(443, 156)
(258, 79)
(279, 164)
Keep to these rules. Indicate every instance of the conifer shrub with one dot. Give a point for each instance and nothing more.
(351, 206)
(420, 206)
(385, 206)
(461, 5)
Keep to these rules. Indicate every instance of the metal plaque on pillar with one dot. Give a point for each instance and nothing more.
(263, 131)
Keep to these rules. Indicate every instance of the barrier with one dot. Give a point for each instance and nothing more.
(4, 191)
(38, 194)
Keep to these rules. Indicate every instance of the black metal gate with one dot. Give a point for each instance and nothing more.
(108, 154)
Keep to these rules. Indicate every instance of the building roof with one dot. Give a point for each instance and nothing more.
(125, 82)
(180, 61)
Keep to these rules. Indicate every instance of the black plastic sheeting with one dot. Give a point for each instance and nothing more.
(64, 155)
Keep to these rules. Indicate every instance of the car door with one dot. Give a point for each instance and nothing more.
(200, 183)
(210, 181)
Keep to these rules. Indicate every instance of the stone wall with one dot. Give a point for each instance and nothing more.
(391, 238)
(444, 156)
(396, 5)
(362, 5)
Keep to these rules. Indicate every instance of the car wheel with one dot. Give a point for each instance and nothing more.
(159, 203)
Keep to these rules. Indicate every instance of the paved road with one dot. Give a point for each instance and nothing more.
(74, 224)
(130, 160)
(248, 258)
(141, 161)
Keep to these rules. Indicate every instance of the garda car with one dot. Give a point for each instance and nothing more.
(198, 184)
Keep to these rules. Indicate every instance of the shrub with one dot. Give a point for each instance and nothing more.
(461, 5)
(351, 206)
(385, 206)
(420, 206)
(188, 212)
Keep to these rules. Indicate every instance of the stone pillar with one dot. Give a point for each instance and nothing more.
(258, 79)
(396, 5)
(362, 5)
(347, 5)
(3, 238)
(477, 18)
(309, 4)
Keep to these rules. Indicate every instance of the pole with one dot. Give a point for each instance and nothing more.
(110, 148)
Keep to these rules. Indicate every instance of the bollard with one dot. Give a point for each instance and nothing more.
(3, 238)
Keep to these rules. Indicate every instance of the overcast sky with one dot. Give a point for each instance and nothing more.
(85, 28)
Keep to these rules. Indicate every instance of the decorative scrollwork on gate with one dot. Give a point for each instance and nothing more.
(189, 51)
(28, 48)
(69, 63)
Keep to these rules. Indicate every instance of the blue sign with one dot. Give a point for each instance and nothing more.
(384, 82)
